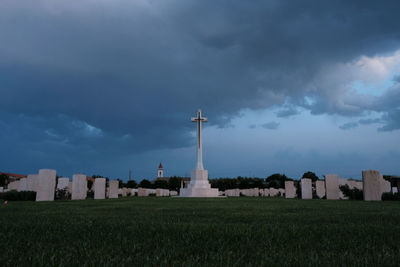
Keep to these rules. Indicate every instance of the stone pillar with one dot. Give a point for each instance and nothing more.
(63, 183)
(46, 185)
(100, 188)
(320, 188)
(290, 189)
(79, 187)
(332, 186)
(306, 188)
(113, 185)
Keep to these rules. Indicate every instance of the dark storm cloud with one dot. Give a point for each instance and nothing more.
(136, 71)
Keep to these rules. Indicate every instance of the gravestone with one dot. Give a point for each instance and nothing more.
(70, 187)
(306, 188)
(79, 187)
(266, 192)
(374, 185)
(100, 188)
(232, 192)
(332, 186)
(394, 190)
(1, 189)
(134, 192)
(23, 184)
(113, 189)
(13, 185)
(290, 189)
(320, 188)
(46, 185)
(173, 193)
(63, 183)
(31, 182)
(273, 192)
(162, 192)
(143, 192)
(124, 191)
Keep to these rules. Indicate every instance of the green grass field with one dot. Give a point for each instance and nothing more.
(186, 232)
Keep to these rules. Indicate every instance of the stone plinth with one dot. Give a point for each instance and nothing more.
(199, 186)
(306, 188)
(113, 189)
(63, 183)
(320, 188)
(290, 189)
(23, 184)
(79, 187)
(374, 185)
(46, 185)
(100, 188)
(332, 186)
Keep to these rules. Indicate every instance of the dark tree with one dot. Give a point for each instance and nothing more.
(161, 184)
(3, 179)
(175, 183)
(311, 176)
(145, 184)
(277, 180)
(131, 184)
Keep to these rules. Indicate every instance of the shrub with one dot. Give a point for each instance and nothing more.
(90, 195)
(390, 196)
(18, 196)
(352, 194)
(62, 194)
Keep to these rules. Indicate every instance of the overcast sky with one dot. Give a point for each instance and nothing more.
(101, 86)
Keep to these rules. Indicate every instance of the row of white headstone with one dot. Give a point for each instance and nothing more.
(44, 184)
(253, 192)
(373, 186)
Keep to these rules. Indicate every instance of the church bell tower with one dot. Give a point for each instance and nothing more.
(160, 172)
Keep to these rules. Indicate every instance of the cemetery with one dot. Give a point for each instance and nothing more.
(52, 220)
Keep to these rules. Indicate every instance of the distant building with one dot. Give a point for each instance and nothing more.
(13, 177)
(160, 176)
(160, 172)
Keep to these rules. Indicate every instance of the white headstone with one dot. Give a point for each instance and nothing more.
(113, 189)
(13, 185)
(124, 191)
(1, 189)
(23, 184)
(173, 193)
(306, 188)
(394, 190)
(63, 183)
(266, 192)
(232, 192)
(70, 187)
(332, 186)
(143, 192)
(46, 185)
(134, 192)
(31, 182)
(100, 188)
(320, 188)
(273, 192)
(374, 185)
(79, 187)
(290, 189)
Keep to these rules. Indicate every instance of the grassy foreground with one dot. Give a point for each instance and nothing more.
(186, 232)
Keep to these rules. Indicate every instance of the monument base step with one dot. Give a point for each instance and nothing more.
(199, 192)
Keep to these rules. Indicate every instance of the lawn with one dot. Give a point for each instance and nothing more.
(204, 232)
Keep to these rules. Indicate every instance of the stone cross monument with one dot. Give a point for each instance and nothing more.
(199, 185)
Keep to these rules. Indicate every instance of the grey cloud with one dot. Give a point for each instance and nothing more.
(349, 125)
(392, 121)
(270, 125)
(287, 112)
(369, 121)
